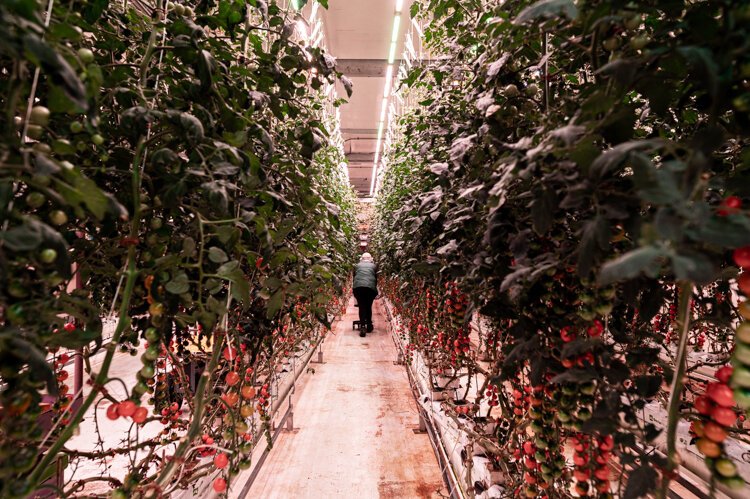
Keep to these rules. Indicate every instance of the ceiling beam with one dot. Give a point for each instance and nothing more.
(363, 68)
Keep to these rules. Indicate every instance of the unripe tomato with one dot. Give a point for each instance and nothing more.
(58, 217)
(86, 55)
(37, 199)
(744, 309)
(725, 467)
(39, 116)
(48, 255)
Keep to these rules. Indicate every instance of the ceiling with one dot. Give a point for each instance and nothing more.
(358, 34)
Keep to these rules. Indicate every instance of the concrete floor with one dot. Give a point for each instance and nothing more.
(353, 427)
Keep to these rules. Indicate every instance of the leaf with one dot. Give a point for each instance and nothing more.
(648, 386)
(642, 480)
(31, 355)
(644, 260)
(439, 168)
(703, 63)
(594, 236)
(613, 158)
(178, 285)
(57, 69)
(21, 238)
(542, 210)
(274, 304)
(546, 9)
(496, 66)
(693, 266)
(348, 85)
(451, 247)
(217, 255)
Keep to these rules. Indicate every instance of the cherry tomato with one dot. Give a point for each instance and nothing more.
(140, 415)
(708, 448)
(221, 460)
(112, 412)
(220, 485)
(724, 416)
(723, 374)
(721, 394)
(232, 378)
(714, 432)
(126, 408)
(742, 257)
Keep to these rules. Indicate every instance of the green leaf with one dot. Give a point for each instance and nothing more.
(274, 304)
(646, 260)
(217, 255)
(178, 285)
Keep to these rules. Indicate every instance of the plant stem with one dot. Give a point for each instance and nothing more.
(197, 420)
(678, 383)
(123, 322)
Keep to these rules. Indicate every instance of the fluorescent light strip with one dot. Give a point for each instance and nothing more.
(387, 89)
(396, 26)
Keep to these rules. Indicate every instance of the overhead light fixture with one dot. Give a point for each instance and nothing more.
(399, 5)
(396, 26)
(295, 4)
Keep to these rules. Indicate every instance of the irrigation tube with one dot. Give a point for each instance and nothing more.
(450, 478)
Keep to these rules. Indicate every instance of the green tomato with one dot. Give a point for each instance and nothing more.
(742, 353)
(147, 372)
(35, 199)
(34, 132)
(612, 43)
(725, 467)
(15, 312)
(511, 91)
(531, 90)
(640, 41)
(58, 217)
(152, 335)
(734, 482)
(76, 127)
(17, 290)
(634, 22)
(140, 388)
(48, 255)
(156, 223)
(42, 148)
(97, 139)
(743, 332)
(86, 55)
(67, 166)
(63, 147)
(39, 116)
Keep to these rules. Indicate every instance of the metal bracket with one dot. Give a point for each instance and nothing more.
(422, 425)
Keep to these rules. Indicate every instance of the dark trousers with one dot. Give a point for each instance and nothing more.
(364, 297)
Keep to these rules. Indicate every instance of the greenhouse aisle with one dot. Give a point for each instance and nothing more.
(353, 427)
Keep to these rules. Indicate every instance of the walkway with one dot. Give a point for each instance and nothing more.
(354, 420)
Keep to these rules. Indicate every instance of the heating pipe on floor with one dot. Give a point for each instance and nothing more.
(450, 479)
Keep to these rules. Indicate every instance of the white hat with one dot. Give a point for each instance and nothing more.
(366, 257)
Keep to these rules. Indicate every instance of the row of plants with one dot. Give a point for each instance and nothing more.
(170, 168)
(572, 181)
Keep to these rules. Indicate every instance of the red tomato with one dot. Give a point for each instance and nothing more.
(714, 432)
(602, 473)
(743, 281)
(729, 205)
(140, 415)
(529, 478)
(221, 460)
(567, 334)
(582, 475)
(112, 412)
(580, 459)
(528, 447)
(721, 394)
(742, 257)
(232, 378)
(703, 405)
(220, 485)
(126, 408)
(724, 416)
(723, 374)
(607, 443)
(530, 463)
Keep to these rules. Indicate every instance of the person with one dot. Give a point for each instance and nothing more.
(365, 290)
